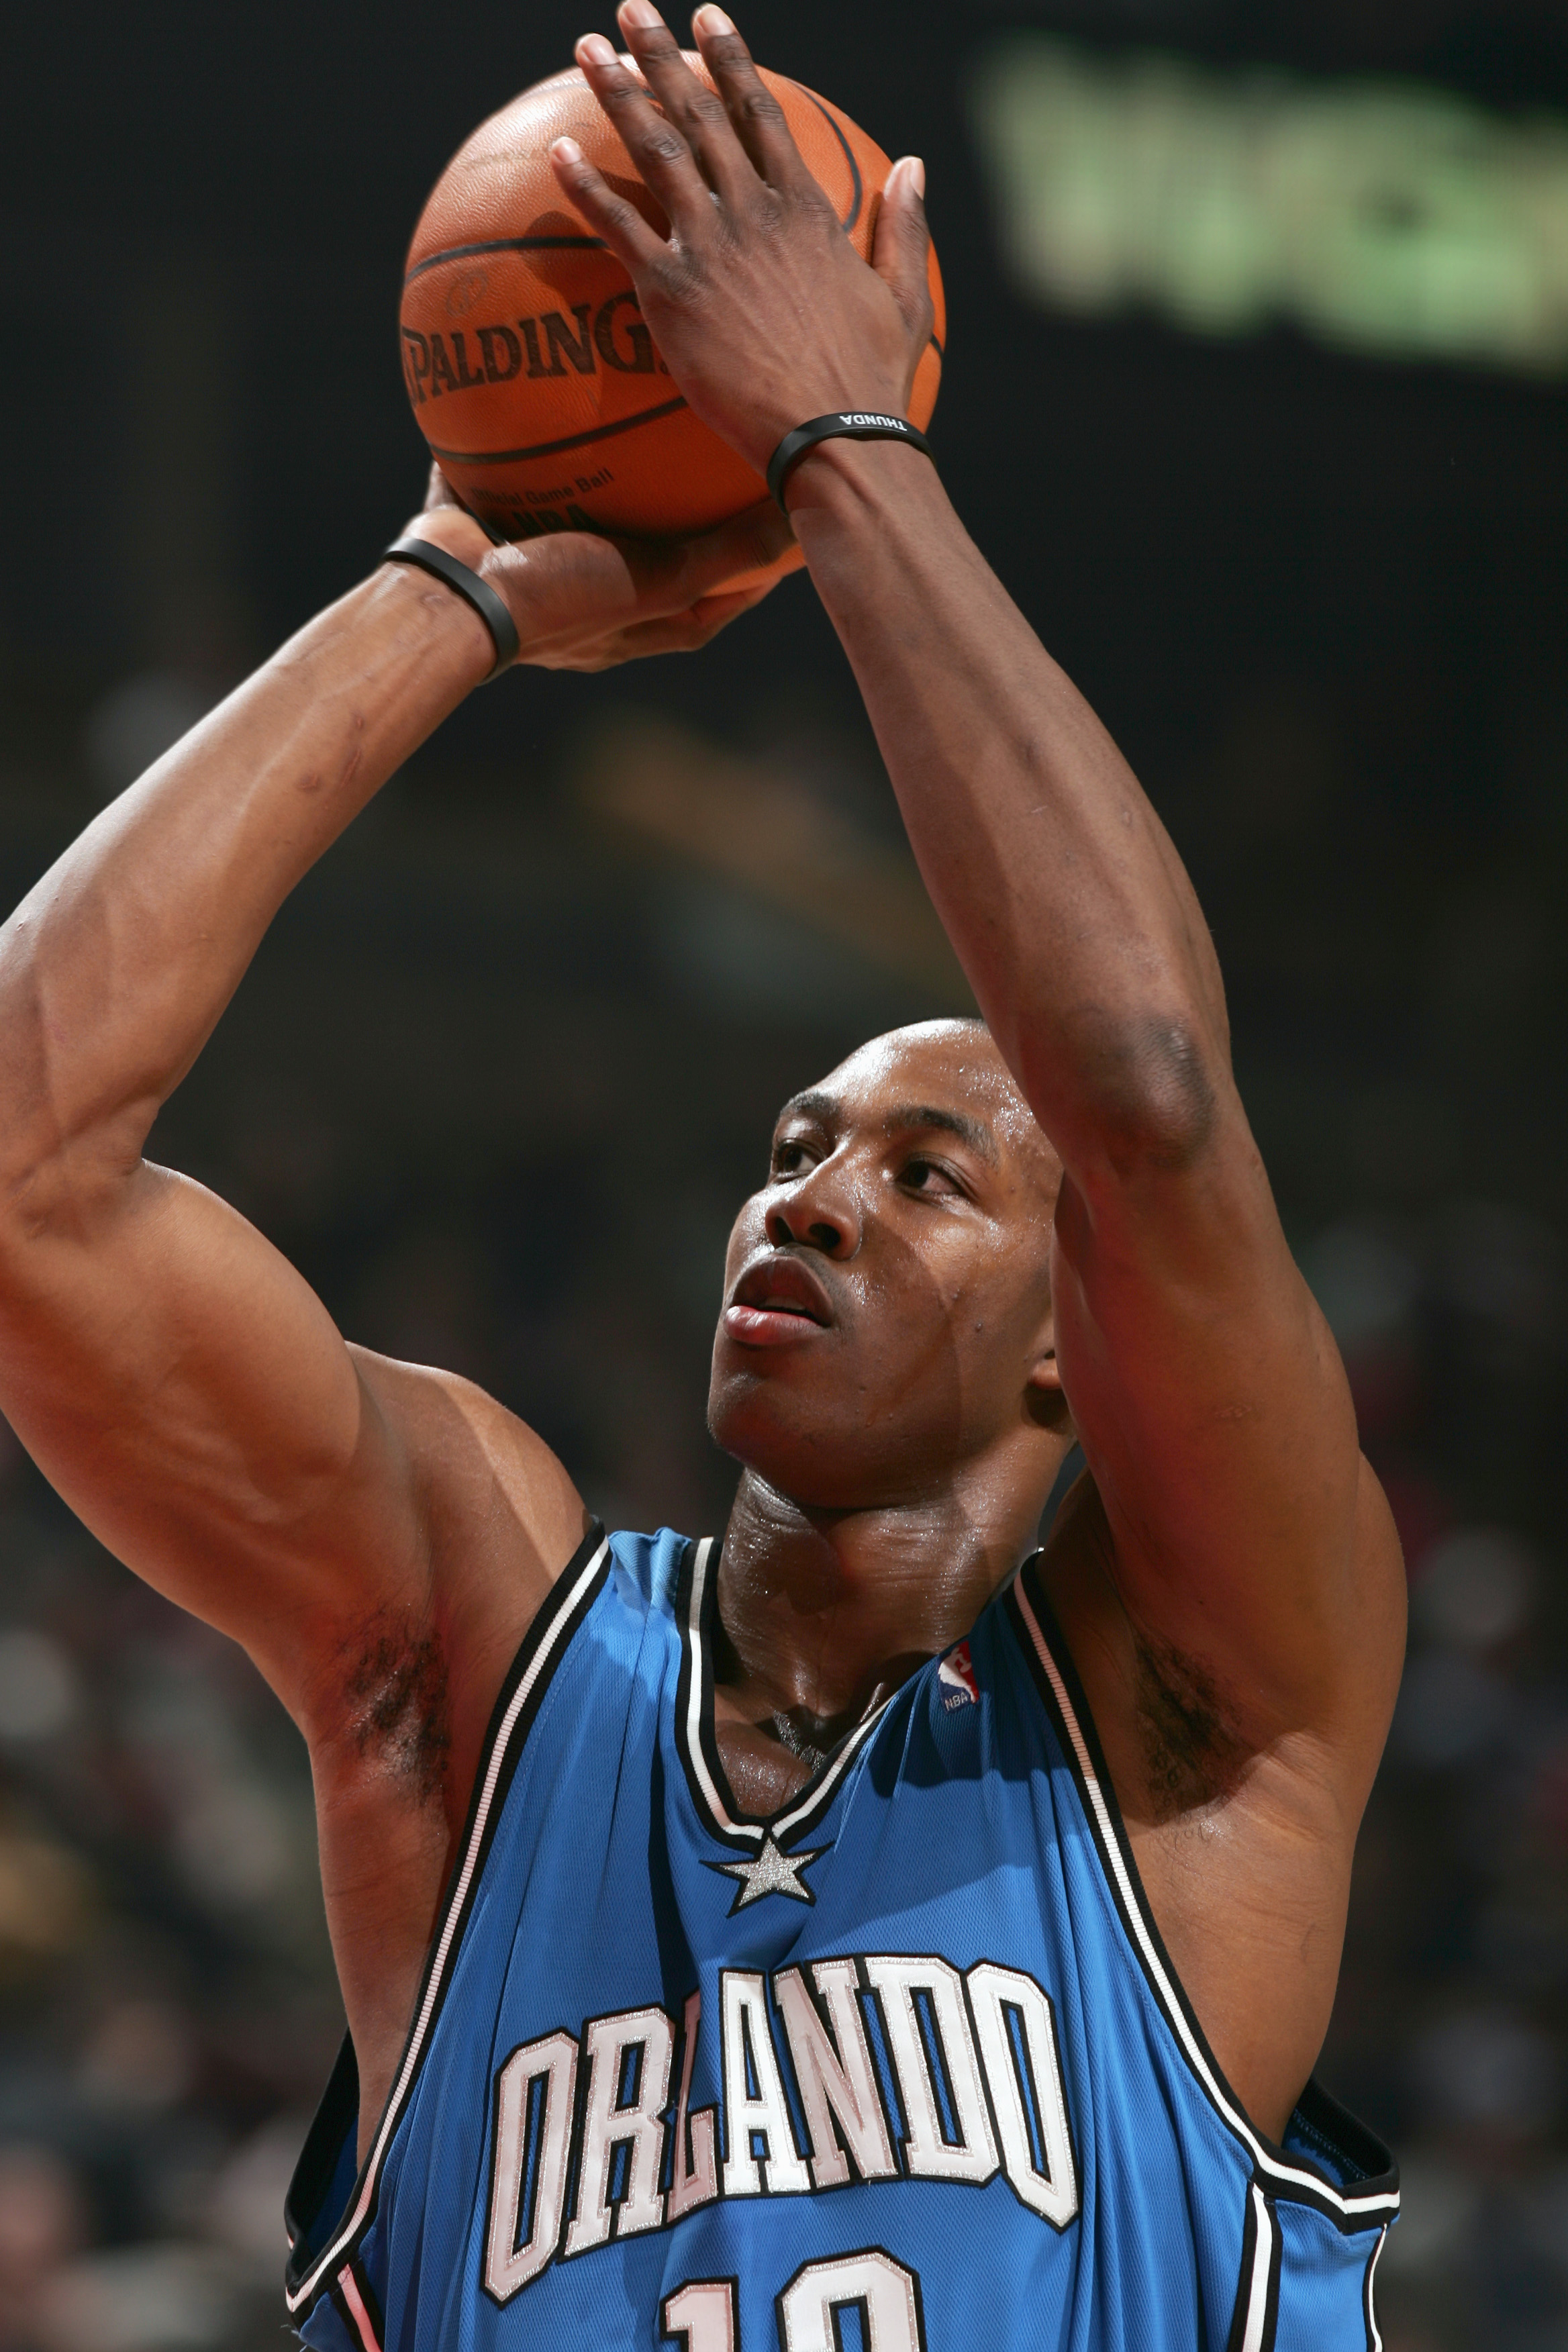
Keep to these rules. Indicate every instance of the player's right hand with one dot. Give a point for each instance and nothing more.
(586, 603)
(759, 303)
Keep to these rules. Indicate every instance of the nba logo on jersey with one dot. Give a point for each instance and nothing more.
(956, 1674)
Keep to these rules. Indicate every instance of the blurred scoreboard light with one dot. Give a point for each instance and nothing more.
(1389, 217)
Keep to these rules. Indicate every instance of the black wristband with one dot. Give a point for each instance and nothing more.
(844, 425)
(469, 586)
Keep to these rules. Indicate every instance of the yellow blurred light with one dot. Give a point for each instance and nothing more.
(1381, 216)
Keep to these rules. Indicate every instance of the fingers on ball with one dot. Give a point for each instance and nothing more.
(695, 111)
(663, 160)
(759, 121)
(622, 227)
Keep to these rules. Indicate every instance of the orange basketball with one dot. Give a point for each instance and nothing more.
(529, 370)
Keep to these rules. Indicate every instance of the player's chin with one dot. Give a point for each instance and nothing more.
(831, 1444)
(771, 1413)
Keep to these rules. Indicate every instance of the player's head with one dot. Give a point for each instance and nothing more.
(887, 1326)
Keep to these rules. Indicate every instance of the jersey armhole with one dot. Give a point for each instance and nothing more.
(313, 2260)
(1337, 2164)
(323, 2178)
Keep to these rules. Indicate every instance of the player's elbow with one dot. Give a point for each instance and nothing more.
(59, 1189)
(70, 1146)
(1152, 1093)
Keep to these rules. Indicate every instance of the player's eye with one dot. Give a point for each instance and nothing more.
(791, 1159)
(928, 1176)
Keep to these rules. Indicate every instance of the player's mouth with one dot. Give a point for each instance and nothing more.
(777, 1301)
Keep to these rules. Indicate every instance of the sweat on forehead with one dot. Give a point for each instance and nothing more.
(931, 1059)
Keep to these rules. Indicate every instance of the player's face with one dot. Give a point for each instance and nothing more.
(886, 1293)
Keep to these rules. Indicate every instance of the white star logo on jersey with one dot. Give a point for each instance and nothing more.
(773, 1872)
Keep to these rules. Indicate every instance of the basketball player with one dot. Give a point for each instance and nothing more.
(825, 1937)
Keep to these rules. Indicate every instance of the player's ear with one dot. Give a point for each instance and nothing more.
(1044, 1399)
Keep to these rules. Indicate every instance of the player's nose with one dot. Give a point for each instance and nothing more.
(818, 1212)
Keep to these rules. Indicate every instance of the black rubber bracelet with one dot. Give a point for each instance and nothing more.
(844, 425)
(470, 587)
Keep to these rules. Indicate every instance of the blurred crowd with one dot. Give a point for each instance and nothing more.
(1449, 2024)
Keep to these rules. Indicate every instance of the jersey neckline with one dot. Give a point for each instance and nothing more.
(696, 1732)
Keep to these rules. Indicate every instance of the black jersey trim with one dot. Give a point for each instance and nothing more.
(1341, 2137)
(334, 2118)
(357, 2307)
(1369, 2293)
(1256, 2317)
(695, 1738)
(539, 1652)
(1375, 2196)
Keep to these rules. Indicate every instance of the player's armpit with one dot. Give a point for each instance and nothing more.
(1254, 1553)
(189, 1396)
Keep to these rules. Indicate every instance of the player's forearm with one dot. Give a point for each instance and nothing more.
(1058, 884)
(115, 967)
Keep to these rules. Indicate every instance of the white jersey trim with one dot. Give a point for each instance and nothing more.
(364, 2326)
(1277, 2169)
(1257, 2307)
(1373, 2333)
(560, 1613)
(695, 1721)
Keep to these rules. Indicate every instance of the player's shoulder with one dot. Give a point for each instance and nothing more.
(499, 1503)
(495, 1500)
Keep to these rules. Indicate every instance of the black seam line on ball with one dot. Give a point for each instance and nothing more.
(507, 244)
(857, 185)
(549, 448)
(597, 244)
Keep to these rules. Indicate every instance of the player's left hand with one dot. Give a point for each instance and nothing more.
(586, 603)
(760, 305)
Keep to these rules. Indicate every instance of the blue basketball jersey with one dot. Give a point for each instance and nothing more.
(903, 2069)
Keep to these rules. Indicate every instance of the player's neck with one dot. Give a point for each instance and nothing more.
(824, 1613)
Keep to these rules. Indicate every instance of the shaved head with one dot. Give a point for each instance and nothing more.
(888, 1291)
(964, 1048)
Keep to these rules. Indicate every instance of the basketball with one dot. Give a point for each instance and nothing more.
(529, 368)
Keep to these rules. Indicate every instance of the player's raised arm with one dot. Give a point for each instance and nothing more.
(1254, 1567)
(171, 1373)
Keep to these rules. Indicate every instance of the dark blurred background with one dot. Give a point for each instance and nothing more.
(1255, 396)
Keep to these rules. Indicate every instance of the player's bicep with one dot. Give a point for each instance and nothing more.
(190, 1397)
(1214, 1414)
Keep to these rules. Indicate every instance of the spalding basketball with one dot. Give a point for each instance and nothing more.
(531, 371)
